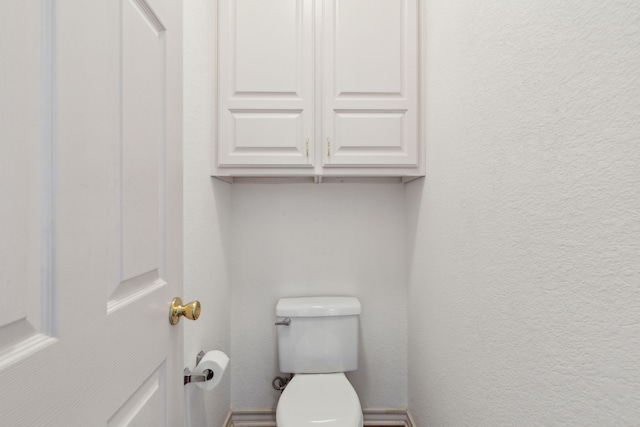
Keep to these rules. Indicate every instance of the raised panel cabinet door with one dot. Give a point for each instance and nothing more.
(91, 212)
(370, 83)
(265, 83)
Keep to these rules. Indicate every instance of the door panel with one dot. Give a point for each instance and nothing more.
(141, 160)
(379, 129)
(265, 80)
(370, 83)
(142, 139)
(266, 47)
(369, 48)
(91, 214)
(25, 171)
(144, 407)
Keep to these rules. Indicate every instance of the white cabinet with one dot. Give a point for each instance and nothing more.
(325, 88)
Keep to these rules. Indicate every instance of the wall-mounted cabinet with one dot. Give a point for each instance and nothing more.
(319, 88)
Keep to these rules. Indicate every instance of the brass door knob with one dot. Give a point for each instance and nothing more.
(190, 310)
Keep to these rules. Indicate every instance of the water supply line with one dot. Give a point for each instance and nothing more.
(279, 383)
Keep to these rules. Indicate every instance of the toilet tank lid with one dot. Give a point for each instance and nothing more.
(318, 306)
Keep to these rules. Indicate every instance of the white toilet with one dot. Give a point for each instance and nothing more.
(318, 342)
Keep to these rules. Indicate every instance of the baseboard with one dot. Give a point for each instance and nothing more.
(387, 417)
(267, 417)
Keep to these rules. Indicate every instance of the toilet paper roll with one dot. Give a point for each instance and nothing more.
(216, 361)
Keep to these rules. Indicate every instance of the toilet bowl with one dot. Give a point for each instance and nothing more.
(312, 400)
(318, 343)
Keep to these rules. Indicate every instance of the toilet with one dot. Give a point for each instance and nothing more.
(318, 342)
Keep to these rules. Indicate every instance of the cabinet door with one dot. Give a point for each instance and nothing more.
(265, 86)
(370, 83)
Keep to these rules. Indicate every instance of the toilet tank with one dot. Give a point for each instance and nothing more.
(322, 336)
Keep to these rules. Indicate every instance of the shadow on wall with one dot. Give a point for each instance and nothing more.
(221, 190)
(413, 201)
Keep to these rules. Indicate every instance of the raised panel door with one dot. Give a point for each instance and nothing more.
(265, 84)
(91, 213)
(370, 84)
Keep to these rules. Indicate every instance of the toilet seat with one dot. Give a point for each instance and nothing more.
(310, 400)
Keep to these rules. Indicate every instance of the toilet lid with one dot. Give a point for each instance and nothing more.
(319, 399)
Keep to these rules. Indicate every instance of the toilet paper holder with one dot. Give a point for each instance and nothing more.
(189, 377)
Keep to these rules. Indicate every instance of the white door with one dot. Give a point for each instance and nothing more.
(90, 212)
(265, 87)
(370, 83)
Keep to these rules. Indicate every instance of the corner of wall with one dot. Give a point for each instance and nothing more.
(207, 218)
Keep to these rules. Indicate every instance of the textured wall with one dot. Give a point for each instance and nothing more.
(207, 219)
(328, 239)
(524, 287)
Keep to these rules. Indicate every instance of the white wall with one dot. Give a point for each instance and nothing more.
(207, 217)
(328, 239)
(524, 291)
